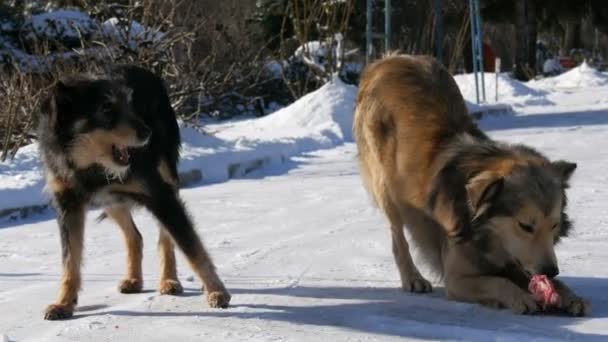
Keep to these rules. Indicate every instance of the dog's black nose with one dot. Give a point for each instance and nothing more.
(550, 271)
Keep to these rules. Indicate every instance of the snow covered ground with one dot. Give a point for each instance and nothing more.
(304, 254)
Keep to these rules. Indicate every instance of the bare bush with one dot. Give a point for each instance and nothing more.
(320, 27)
(19, 99)
(211, 65)
(204, 50)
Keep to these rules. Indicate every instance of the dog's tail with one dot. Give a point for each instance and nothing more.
(429, 238)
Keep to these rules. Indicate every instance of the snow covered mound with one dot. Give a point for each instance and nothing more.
(583, 76)
(329, 108)
(510, 90)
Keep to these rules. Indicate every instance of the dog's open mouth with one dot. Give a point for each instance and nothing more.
(121, 155)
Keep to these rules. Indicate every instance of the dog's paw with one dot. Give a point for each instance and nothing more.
(417, 284)
(523, 305)
(58, 311)
(130, 285)
(170, 287)
(492, 304)
(218, 299)
(575, 306)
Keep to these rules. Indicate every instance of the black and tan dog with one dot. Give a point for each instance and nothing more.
(112, 140)
(485, 215)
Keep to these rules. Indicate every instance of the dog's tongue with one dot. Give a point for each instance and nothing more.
(123, 155)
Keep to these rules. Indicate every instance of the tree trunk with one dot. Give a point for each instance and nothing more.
(532, 34)
(525, 39)
(521, 39)
(573, 36)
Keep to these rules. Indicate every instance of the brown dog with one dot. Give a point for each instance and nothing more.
(485, 215)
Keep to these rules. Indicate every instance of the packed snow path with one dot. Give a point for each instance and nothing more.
(306, 258)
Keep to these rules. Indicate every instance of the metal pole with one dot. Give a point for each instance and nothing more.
(387, 26)
(473, 47)
(438, 30)
(596, 50)
(480, 49)
(368, 32)
(497, 70)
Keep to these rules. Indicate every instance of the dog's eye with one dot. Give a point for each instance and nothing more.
(526, 227)
(554, 226)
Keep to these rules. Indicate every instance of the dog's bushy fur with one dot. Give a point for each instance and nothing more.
(112, 140)
(485, 215)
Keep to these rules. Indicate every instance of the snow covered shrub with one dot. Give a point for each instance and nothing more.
(318, 27)
(68, 28)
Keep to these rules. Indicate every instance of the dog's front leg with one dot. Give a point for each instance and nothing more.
(491, 291)
(570, 302)
(166, 205)
(70, 217)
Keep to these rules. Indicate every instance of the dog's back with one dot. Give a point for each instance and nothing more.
(407, 108)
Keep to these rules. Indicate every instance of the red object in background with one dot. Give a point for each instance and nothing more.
(567, 62)
(543, 290)
(488, 58)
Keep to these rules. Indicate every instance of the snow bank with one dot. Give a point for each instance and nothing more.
(510, 91)
(321, 119)
(583, 76)
(21, 180)
(330, 108)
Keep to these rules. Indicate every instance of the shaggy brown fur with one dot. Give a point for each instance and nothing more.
(485, 215)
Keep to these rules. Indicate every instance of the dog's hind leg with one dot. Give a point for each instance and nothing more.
(133, 280)
(169, 283)
(70, 216)
(411, 279)
(169, 210)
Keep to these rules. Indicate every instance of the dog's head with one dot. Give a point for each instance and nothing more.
(522, 212)
(93, 120)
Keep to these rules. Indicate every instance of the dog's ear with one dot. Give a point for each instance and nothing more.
(57, 103)
(484, 188)
(63, 95)
(564, 168)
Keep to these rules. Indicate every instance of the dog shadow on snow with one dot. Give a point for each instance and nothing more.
(389, 311)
